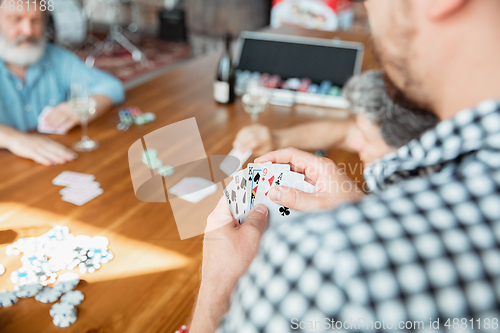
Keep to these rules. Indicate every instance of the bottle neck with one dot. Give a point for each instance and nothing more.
(228, 43)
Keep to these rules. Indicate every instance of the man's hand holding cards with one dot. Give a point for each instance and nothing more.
(252, 185)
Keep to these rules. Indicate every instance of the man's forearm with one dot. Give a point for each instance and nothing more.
(210, 307)
(103, 103)
(315, 135)
(7, 134)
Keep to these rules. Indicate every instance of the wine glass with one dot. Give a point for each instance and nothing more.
(255, 100)
(83, 106)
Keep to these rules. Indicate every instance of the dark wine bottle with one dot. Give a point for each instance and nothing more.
(225, 79)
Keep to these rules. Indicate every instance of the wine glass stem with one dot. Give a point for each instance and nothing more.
(254, 117)
(85, 136)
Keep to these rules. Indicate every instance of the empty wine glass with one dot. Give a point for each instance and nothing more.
(83, 106)
(255, 100)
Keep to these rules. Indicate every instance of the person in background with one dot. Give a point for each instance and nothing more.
(35, 74)
(380, 126)
(424, 244)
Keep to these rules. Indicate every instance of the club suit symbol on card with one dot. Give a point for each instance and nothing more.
(170, 164)
(284, 211)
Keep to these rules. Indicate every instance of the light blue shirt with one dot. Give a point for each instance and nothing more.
(47, 83)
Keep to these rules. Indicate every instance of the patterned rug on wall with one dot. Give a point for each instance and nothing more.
(160, 53)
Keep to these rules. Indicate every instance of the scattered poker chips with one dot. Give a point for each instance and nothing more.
(48, 295)
(7, 298)
(42, 257)
(133, 115)
(64, 313)
(165, 170)
(182, 329)
(2, 269)
(74, 297)
(23, 276)
(27, 290)
(67, 282)
(63, 321)
(150, 158)
(62, 309)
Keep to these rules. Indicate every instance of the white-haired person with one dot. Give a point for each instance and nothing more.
(379, 127)
(35, 74)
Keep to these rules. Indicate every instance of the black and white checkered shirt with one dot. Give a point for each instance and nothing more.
(424, 245)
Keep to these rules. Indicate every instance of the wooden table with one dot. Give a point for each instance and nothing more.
(151, 284)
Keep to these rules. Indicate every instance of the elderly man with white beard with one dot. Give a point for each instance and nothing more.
(35, 74)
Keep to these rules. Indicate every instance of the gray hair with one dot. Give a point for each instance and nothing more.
(367, 95)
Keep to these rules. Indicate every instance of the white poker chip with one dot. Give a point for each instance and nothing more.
(23, 276)
(2, 269)
(67, 282)
(48, 295)
(100, 242)
(63, 310)
(89, 266)
(11, 250)
(74, 297)
(7, 298)
(27, 290)
(33, 260)
(62, 321)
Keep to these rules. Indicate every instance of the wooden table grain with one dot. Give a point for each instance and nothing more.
(150, 285)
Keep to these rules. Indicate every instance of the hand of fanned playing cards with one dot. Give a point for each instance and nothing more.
(251, 186)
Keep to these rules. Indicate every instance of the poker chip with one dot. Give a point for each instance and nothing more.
(43, 257)
(123, 126)
(106, 257)
(67, 282)
(63, 310)
(145, 118)
(89, 266)
(7, 298)
(27, 290)
(10, 250)
(74, 297)
(48, 295)
(153, 162)
(34, 259)
(100, 242)
(149, 154)
(23, 276)
(63, 321)
(165, 170)
(182, 329)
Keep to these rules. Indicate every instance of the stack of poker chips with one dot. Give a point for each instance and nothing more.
(42, 258)
(245, 78)
(133, 115)
(150, 158)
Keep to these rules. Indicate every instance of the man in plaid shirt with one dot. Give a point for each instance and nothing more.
(423, 246)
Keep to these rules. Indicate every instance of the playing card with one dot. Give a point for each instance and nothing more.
(69, 178)
(277, 212)
(237, 196)
(269, 175)
(226, 164)
(189, 185)
(80, 189)
(82, 198)
(76, 189)
(42, 125)
(254, 174)
(200, 195)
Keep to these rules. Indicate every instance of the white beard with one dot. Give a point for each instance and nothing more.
(23, 55)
